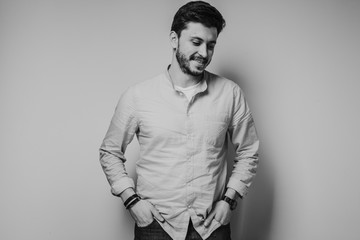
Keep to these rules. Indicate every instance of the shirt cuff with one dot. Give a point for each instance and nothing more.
(238, 186)
(118, 187)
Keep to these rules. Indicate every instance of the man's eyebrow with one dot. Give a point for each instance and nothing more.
(196, 38)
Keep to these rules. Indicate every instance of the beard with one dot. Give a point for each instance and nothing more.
(185, 66)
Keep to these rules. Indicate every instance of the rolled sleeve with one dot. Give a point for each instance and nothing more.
(120, 133)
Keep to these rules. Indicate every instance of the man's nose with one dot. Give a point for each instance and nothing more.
(203, 51)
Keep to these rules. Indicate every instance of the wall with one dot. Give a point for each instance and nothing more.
(64, 64)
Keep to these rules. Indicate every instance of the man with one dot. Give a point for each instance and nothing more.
(183, 120)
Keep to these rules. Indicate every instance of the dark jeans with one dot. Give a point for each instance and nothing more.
(155, 232)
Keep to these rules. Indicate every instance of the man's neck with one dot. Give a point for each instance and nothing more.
(181, 79)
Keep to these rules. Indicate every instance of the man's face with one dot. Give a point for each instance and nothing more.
(195, 48)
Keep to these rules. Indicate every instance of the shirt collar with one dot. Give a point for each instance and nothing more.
(201, 88)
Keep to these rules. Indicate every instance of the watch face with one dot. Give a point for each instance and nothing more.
(231, 202)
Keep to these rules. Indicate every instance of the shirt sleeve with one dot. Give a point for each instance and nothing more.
(121, 131)
(246, 144)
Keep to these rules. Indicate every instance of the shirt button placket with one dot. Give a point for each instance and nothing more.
(189, 159)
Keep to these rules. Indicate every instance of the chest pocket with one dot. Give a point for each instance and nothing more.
(215, 128)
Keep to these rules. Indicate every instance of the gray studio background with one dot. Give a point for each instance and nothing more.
(64, 65)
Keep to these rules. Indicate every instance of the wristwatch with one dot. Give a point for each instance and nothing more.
(230, 201)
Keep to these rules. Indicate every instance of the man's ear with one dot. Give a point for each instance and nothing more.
(174, 40)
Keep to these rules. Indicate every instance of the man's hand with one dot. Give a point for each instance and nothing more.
(221, 213)
(143, 212)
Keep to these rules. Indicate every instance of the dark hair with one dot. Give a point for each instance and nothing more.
(200, 12)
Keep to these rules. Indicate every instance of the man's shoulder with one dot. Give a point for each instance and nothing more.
(144, 89)
(221, 82)
(145, 86)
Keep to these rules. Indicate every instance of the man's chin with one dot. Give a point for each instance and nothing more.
(197, 72)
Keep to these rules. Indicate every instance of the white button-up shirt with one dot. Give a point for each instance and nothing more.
(182, 166)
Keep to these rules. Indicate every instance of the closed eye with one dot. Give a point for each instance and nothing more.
(211, 46)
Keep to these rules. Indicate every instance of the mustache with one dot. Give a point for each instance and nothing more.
(199, 58)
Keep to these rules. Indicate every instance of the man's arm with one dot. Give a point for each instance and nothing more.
(243, 135)
(121, 131)
(244, 138)
(123, 127)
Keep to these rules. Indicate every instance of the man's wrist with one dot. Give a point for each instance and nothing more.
(230, 197)
(131, 201)
(232, 203)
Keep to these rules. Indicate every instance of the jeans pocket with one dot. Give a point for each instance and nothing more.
(146, 225)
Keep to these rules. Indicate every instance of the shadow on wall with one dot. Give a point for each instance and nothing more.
(252, 219)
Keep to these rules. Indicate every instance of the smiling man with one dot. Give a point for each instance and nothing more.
(183, 120)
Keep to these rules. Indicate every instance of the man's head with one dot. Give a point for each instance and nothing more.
(198, 12)
(194, 32)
